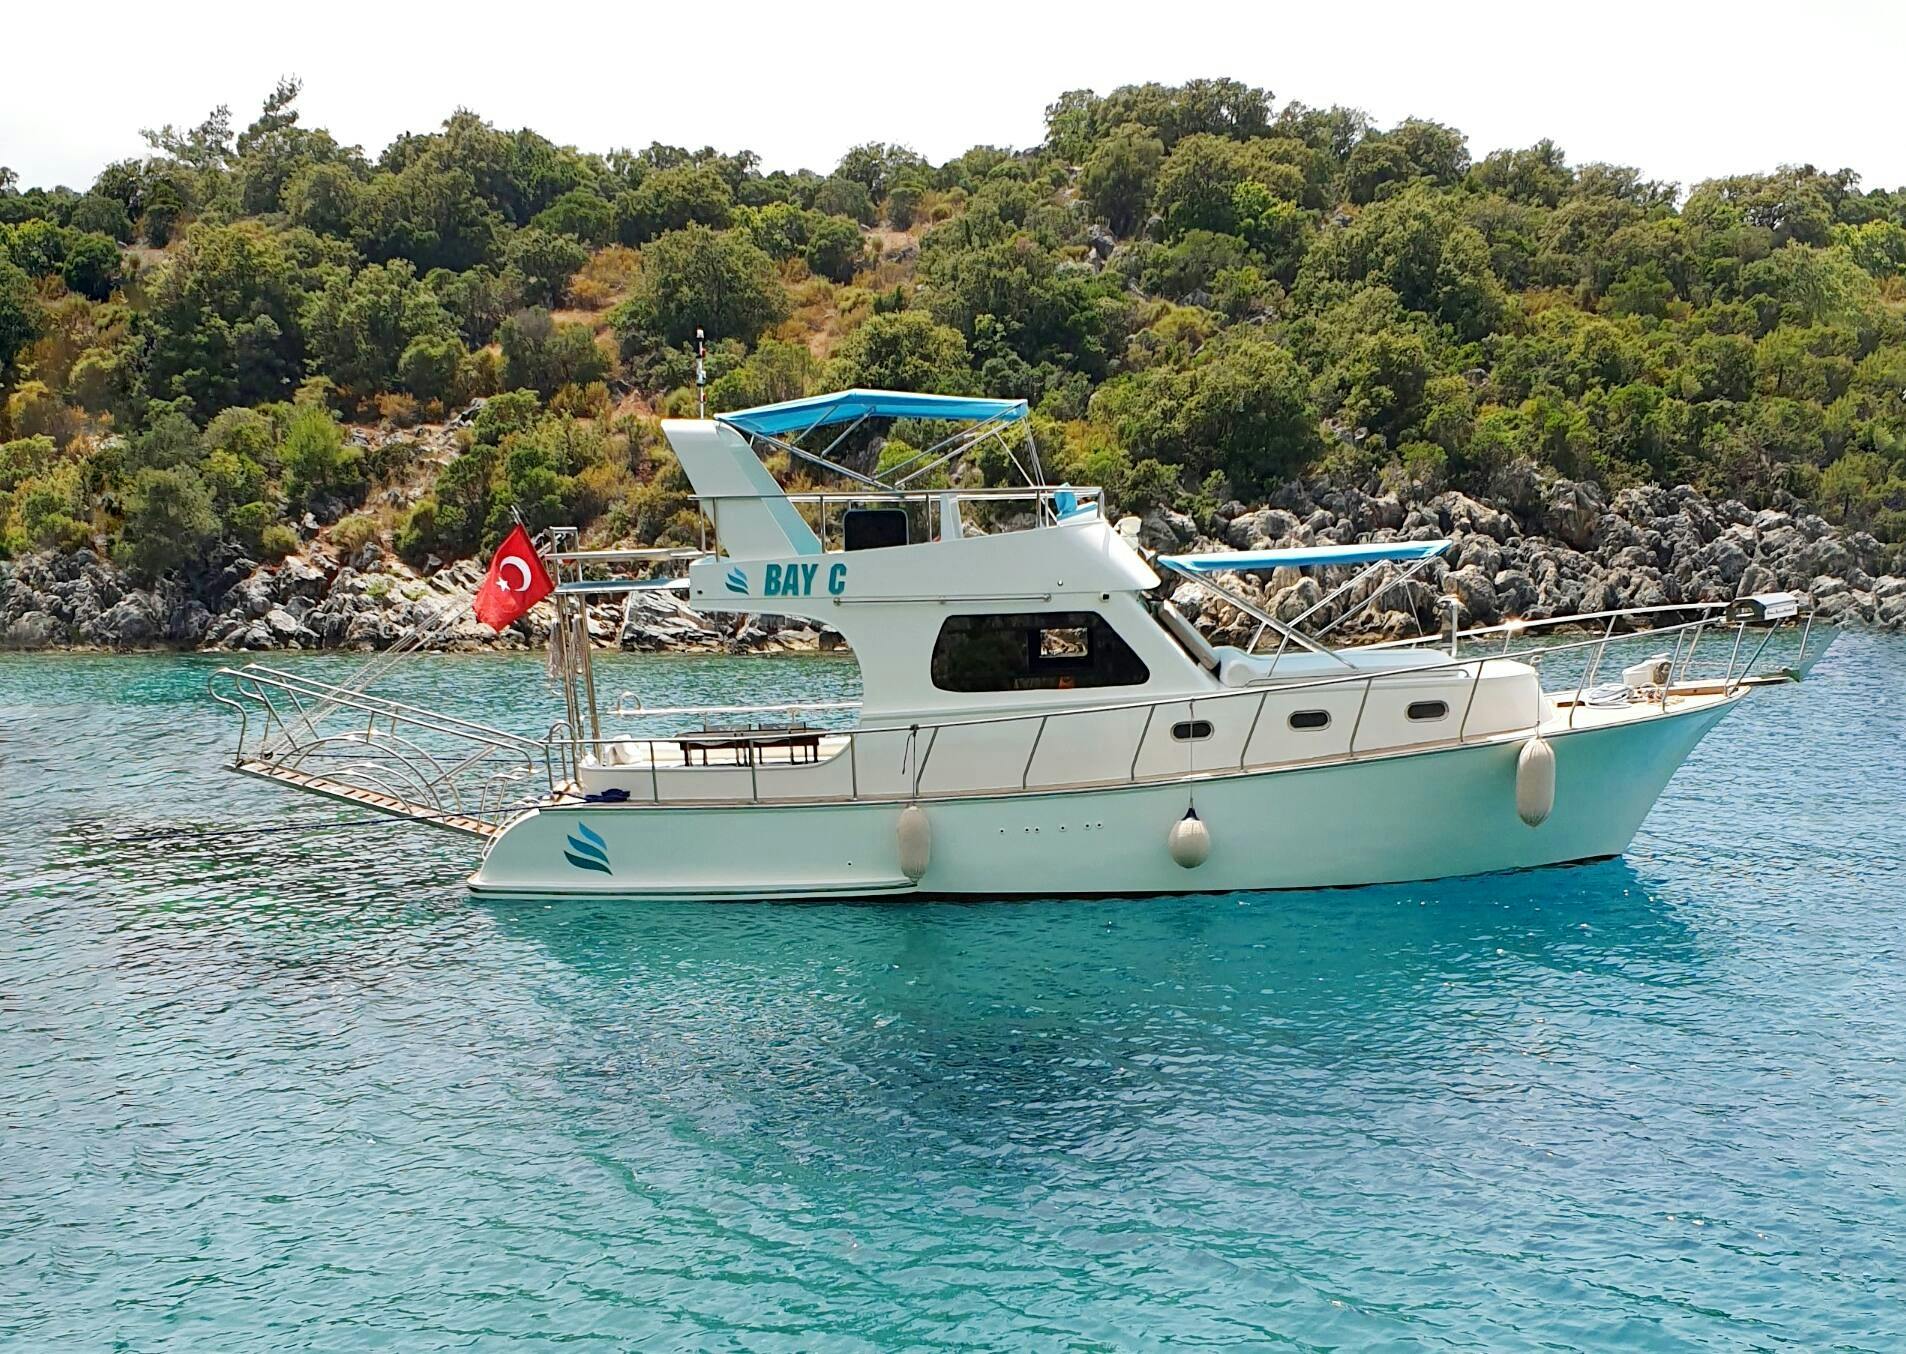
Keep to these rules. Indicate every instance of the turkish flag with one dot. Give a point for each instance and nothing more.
(516, 582)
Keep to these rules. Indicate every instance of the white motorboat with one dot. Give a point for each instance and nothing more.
(1036, 718)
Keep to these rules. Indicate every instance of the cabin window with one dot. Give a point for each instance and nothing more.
(1310, 719)
(1191, 730)
(1424, 711)
(1033, 651)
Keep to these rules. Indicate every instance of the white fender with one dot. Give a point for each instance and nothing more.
(1535, 782)
(915, 834)
(1189, 840)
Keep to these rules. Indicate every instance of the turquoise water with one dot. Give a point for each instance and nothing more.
(274, 1091)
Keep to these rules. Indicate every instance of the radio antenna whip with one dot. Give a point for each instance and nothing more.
(701, 374)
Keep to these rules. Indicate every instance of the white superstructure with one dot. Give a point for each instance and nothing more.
(1036, 720)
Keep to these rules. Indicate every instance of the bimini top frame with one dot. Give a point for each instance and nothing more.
(782, 427)
(1374, 555)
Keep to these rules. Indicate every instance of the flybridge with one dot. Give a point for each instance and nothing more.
(754, 519)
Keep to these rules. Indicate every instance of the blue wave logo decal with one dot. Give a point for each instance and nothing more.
(737, 580)
(587, 850)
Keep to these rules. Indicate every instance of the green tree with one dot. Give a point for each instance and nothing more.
(580, 213)
(225, 319)
(541, 355)
(358, 326)
(845, 197)
(169, 521)
(101, 216)
(701, 278)
(324, 198)
(91, 266)
(430, 365)
(1117, 177)
(430, 215)
(878, 166)
(1240, 409)
(318, 462)
(904, 351)
(834, 248)
(673, 199)
(20, 314)
(1415, 244)
(540, 263)
(1196, 183)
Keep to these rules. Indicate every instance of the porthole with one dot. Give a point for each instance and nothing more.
(1191, 730)
(1310, 719)
(1424, 711)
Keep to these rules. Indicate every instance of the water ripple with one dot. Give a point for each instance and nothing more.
(298, 1090)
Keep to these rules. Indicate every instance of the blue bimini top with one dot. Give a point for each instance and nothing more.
(845, 406)
(1304, 556)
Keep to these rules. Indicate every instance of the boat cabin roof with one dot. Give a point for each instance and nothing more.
(851, 406)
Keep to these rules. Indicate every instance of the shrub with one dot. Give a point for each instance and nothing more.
(391, 458)
(399, 410)
(430, 365)
(23, 458)
(317, 460)
(276, 541)
(540, 355)
(353, 533)
(417, 537)
(169, 521)
(246, 524)
(47, 509)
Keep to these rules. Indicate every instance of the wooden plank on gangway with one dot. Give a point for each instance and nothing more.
(371, 799)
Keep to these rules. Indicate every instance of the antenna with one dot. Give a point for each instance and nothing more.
(701, 374)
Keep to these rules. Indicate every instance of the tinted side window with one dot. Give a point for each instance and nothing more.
(1033, 651)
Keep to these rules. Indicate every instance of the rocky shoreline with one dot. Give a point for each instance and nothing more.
(1546, 549)
(1542, 548)
(315, 601)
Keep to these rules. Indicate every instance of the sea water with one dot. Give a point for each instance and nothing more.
(271, 1079)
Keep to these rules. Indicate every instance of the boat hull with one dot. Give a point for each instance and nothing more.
(1422, 815)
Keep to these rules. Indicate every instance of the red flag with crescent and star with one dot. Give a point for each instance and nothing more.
(516, 582)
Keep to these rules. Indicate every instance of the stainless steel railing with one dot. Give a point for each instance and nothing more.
(922, 739)
(384, 753)
(431, 765)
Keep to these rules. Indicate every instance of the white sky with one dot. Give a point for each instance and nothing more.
(1685, 92)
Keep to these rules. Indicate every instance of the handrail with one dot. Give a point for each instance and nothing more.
(1088, 493)
(624, 710)
(1470, 669)
(291, 683)
(1524, 626)
(1300, 684)
(444, 781)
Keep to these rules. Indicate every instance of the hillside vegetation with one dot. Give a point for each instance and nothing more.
(1202, 294)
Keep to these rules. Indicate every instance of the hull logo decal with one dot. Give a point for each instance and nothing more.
(737, 580)
(587, 850)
